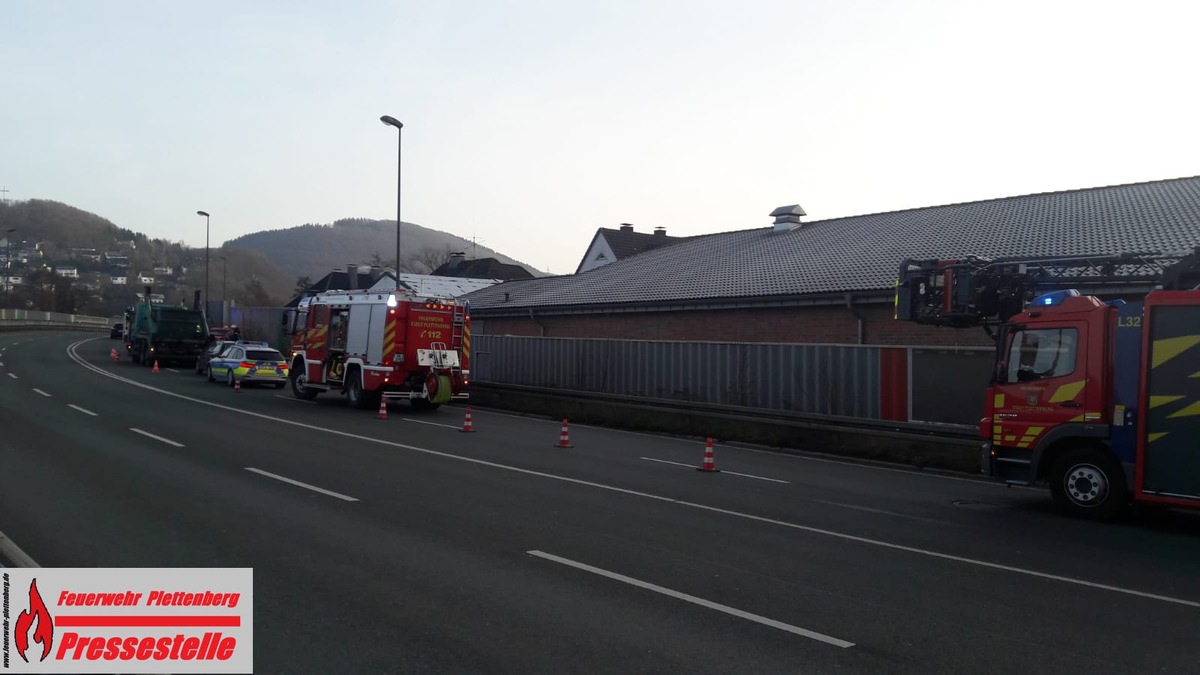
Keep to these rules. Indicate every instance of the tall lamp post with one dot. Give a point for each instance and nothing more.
(205, 214)
(393, 122)
(224, 266)
(7, 262)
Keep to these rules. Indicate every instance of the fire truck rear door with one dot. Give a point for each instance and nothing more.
(1169, 442)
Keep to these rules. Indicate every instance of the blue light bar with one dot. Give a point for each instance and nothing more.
(1055, 298)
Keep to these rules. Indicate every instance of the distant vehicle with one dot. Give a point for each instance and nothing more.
(249, 361)
(219, 333)
(214, 351)
(117, 332)
(165, 332)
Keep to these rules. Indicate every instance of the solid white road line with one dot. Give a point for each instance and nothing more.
(157, 438)
(42, 393)
(731, 473)
(432, 424)
(10, 550)
(13, 375)
(82, 410)
(293, 398)
(314, 488)
(867, 509)
(171, 369)
(82, 362)
(796, 630)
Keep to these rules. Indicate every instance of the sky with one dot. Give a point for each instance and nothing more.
(528, 125)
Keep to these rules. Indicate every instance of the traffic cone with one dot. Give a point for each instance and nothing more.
(382, 408)
(237, 386)
(710, 465)
(467, 427)
(563, 440)
(155, 366)
(113, 355)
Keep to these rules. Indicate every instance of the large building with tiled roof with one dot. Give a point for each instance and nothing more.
(832, 280)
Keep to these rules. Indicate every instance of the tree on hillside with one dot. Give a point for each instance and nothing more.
(431, 257)
(254, 295)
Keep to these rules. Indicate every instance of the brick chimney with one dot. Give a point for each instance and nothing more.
(660, 231)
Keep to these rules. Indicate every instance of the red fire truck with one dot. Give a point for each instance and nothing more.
(369, 345)
(1101, 400)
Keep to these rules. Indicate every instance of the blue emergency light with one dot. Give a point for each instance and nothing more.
(1055, 298)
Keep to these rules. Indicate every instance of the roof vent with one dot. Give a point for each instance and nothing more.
(627, 227)
(787, 218)
(660, 231)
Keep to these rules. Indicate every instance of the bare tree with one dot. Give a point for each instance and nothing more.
(429, 258)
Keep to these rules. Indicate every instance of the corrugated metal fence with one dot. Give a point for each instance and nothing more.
(820, 379)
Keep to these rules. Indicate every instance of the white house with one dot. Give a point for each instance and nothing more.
(70, 272)
(117, 280)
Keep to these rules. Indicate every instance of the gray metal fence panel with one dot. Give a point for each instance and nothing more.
(822, 379)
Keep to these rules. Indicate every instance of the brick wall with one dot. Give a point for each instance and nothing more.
(811, 325)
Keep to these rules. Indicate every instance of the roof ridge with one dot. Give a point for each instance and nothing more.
(1001, 199)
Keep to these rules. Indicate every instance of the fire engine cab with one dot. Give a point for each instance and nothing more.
(373, 345)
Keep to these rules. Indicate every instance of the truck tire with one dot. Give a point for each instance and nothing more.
(299, 378)
(354, 390)
(1087, 482)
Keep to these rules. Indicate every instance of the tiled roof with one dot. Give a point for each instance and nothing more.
(627, 243)
(862, 253)
(482, 268)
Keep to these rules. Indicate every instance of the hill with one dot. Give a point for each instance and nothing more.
(313, 250)
(50, 235)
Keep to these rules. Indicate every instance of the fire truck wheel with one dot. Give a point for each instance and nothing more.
(299, 379)
(1089, 483)
(354, 390)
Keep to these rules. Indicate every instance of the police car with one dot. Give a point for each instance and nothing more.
(249, 361)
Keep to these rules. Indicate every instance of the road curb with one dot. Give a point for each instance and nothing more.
(10, 552)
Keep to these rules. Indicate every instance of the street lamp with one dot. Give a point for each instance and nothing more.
(205, 214)
(224, 266)
(393, 122)
(7, 262)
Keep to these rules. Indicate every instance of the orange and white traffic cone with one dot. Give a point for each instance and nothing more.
(382, 409)
(564, 440)
(237, 386)
(113, 355)
(710, 465)
(467, 426)
(155, 366)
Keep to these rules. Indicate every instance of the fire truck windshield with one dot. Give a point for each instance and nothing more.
(1041, 354)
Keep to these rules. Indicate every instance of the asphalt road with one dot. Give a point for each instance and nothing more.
(423, 548)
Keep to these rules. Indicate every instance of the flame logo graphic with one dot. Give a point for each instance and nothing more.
(45, 625)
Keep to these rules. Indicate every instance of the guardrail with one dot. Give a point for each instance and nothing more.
(26, 319)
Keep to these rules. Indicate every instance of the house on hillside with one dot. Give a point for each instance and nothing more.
(68, 271)
(609, 245)
(482, 268)
(832, 281)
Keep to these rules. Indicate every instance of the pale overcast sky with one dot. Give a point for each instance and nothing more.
(530, 124)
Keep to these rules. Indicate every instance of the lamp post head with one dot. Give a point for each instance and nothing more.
(202, 213)
(391, 121)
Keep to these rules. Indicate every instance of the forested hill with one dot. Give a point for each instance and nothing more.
(313, 250)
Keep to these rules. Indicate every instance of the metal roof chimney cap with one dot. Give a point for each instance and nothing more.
(787, 218)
